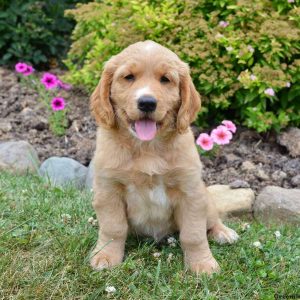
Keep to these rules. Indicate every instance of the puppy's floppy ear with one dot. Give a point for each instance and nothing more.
(100, 104)
(190, 102)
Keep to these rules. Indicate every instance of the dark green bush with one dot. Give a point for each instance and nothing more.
(34, 31)
(236, 67)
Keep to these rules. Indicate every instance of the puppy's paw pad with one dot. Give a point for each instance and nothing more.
(208, 267)
(224, 235)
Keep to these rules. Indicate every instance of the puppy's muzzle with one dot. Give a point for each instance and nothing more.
(147, 104)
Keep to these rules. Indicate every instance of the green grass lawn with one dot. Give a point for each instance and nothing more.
(45, 257)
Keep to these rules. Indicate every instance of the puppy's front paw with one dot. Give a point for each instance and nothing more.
(208, 266)
(102, 260)
(223, 234)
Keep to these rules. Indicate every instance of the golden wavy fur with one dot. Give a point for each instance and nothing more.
(150, 187)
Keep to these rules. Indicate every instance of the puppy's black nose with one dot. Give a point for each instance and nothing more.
(147, 104)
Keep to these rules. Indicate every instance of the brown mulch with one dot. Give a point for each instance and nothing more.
(23, 118)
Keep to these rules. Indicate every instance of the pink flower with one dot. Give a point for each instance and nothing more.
(250, 49)
(29, 70)
(49, 81)
(205, 141)
(253, 77)
(63, 85)
(270, 92)
(291, 1)
(221, 135)
(229, 125)
(58, 103)
(20, 67)
(223, 24)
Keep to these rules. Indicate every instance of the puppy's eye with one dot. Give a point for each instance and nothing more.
(129, 77)
(164, 79)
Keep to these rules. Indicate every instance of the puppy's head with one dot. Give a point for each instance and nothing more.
(147, 90)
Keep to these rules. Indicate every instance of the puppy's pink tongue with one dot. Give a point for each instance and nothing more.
(145, 129)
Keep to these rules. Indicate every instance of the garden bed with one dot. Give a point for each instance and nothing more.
(251, 157)
(27, 119)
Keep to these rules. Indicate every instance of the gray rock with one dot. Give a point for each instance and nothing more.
(229, 174)
(62, 171)
(291, 140)
(232, 160)
(18, 157)
(239, 184)
(242, 150)
(261, 174)
(30, 119)
(90, 176)
(230, 157)
(27, 113)
(232, 201)
(278, 175)
(248, 166)
(292, 167)
(296, 181)
(276, 204)
(5, 125)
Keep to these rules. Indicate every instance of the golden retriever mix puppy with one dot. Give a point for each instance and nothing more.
(147, 168)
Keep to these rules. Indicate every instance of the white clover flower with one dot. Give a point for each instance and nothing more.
(170, 257)
(288, 84)
(257, 244)
(253, 77)
(110, 289)
(156, 254)
(65, 218)
(277, 234)
(93, 221)
(172, 241)
(245, 226)
(229, 49)
(291, 1)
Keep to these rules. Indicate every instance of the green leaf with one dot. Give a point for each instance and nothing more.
(250, 96)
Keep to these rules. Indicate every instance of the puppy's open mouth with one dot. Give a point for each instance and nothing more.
(145, 129)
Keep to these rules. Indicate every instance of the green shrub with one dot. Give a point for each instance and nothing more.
(34, 31)
(240, 52)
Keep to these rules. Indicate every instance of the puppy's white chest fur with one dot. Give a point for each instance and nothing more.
(149, 210)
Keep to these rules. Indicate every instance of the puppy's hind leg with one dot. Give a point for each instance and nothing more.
(216, 229)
